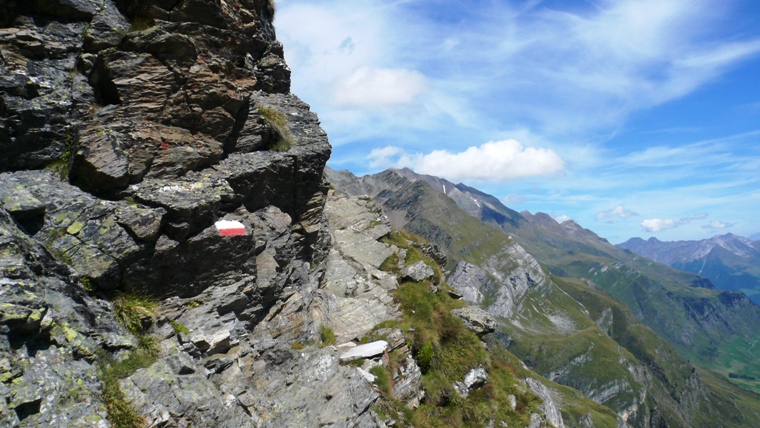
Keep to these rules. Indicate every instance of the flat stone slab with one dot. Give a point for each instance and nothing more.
(362, 248)
(365, 351)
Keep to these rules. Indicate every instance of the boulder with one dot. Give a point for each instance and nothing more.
(474, 379)
(419, 271)
(476, 319)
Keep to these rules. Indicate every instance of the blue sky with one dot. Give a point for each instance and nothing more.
(632, 117)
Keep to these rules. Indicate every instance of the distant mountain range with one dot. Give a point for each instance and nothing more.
(579, 310)
(731, 262)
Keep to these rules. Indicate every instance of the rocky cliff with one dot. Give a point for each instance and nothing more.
(127, 130)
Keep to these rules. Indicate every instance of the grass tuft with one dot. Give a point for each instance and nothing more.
(120, 412)
(390, 264)
(326, 336)
(132, 309)
(179, 328)
(61, 165)
(141, 22)
(283, 140)
(383, 379)
(359, 362)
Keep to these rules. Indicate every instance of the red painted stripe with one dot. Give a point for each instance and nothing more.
(232, 232)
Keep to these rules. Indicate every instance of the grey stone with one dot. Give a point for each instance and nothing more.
(362, 248)
(175, 392)
(50, 329)
(476, 319)
(394, 336)
(407, 383)
(419, 271)
(474, 379)
(368, 350)
(551, 411)
(467, 279)
(507, 276)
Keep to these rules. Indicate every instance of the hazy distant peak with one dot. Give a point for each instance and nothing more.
(674, 253)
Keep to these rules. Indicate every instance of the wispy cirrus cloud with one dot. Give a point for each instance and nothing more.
(718, 225)
(500, 65)
(373, 88)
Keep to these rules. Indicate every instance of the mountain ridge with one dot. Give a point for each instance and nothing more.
(731, 262)
(537, 314)
(683, 308)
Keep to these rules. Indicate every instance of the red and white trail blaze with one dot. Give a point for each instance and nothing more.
(230, 228)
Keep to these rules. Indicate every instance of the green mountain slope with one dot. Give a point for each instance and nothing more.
(714, 328)
(628, 368)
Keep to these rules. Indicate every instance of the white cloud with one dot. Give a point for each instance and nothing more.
(372, 88)
(562, 218)
(658, 225)
(618, 211)
(716, 225)
(495, 161)
(388, 156)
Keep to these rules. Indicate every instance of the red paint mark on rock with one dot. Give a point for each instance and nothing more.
(164, 143)
(230, 228)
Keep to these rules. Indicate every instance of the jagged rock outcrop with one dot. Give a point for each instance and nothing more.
(474, 379)
(504, 277)
(551, 413)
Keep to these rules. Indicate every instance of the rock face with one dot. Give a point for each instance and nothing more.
(155, 120)
(551, 413)
(505, 277)
(354, 294)
(50, 331)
